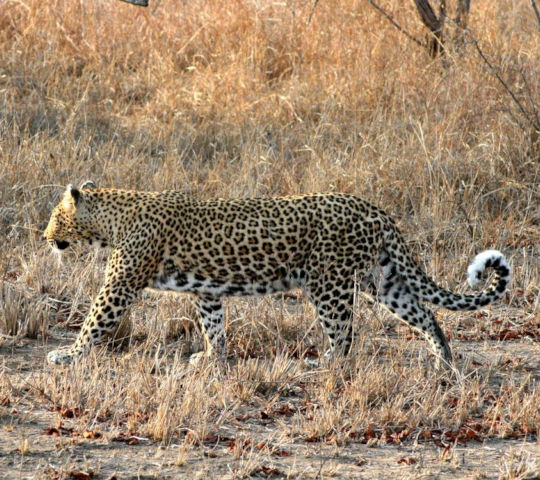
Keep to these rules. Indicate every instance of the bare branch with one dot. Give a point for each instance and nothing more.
(535, 8)
(313, 7)
(397, 25)
(139, 3)
(530, 118)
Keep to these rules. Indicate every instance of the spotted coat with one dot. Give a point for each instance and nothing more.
(326, 244)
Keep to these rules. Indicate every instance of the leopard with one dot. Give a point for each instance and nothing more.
(332, 246)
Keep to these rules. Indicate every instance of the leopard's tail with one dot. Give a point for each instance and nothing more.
(419, 283)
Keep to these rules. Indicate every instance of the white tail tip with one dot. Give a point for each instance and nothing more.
(482, 261)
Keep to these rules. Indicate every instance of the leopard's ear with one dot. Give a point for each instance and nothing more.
(72, 197)
(88, 184)
(75, 194)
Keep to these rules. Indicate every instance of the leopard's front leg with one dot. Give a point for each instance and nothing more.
(104, 317)
(120, 289)
(213, 328)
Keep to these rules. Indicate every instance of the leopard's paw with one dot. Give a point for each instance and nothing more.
(199, 357)
(62, 356)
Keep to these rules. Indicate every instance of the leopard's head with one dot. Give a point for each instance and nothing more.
(69, 220)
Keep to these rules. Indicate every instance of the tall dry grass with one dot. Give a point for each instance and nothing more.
(250, 98)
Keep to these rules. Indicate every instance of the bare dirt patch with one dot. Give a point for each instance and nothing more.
(271, 417)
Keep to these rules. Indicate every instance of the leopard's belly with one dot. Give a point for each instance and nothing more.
(194, 282)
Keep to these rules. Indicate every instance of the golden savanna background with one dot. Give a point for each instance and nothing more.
(258, 98)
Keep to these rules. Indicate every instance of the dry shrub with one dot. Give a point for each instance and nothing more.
(21, 315)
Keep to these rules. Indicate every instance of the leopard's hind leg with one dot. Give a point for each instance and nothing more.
(397, 297)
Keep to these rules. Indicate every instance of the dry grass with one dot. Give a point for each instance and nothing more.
(237, 99)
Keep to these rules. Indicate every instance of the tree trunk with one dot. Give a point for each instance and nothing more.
(435, 25)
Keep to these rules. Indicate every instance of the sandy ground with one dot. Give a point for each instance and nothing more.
(30, 447)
